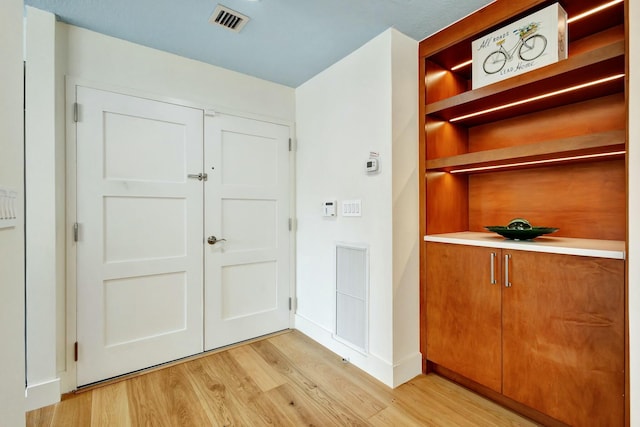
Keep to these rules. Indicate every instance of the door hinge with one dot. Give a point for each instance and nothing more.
(75, 112)
(290, 224)
(75, 351)
(290, 145)
(290, 303)
(76, 229)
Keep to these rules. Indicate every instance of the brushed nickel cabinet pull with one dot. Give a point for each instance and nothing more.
(493, 268)
(507, 283)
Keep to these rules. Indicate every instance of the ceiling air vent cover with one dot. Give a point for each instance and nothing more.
(227, 18)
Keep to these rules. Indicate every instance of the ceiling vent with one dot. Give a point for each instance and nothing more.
(229, 19)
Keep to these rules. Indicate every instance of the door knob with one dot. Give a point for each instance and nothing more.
(212, 240)
(198, 176)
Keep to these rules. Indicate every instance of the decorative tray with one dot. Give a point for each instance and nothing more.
(520, 229)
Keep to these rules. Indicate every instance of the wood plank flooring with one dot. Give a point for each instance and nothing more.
(284, 380)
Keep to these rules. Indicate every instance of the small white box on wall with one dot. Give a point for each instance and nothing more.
(329, 208)
(532, 42)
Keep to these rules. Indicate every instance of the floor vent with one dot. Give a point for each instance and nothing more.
(229, 19)
(352, 305)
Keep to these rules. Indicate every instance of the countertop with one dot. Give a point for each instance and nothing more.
(614, 249)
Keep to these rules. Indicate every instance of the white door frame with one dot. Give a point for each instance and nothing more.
(68, 375)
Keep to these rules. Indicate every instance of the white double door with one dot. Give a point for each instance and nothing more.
(155, 279)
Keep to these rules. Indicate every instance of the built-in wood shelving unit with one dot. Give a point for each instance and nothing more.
(559, 161)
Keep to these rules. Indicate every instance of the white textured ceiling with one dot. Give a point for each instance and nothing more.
(286, 41)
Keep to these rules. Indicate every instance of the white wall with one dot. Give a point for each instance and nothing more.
(11, 239)
(341, 115)
(406, 243)
(107, 60)
(633, 256)
(44, 147)
(91, 58)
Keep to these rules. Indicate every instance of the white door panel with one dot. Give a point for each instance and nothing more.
(139, 255)
(141, 264)
(246, 203)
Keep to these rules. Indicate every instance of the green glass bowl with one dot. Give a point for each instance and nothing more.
(525, 234)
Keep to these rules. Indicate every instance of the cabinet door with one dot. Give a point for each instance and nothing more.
(563, 337)
(463, 312)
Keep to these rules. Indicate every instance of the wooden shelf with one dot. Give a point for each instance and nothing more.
(587, 66)
(596, 143)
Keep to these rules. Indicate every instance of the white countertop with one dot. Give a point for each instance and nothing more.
(556, 245)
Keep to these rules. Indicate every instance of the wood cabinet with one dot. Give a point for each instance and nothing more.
(563, 337)
(549, 334)
(549, 146)
(464, 313)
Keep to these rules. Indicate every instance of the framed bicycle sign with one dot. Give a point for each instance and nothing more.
(532, 42)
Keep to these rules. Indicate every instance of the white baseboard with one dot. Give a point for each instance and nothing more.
(389, 374)
(407, 368)
(43, 394)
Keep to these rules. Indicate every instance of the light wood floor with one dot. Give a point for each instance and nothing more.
(284, 380)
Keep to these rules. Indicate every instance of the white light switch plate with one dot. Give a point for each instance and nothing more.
(8, 207)
(352, 208)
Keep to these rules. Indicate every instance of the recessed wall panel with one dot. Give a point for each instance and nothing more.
(249, 224)
(144, 228)
(141, 308)
(255, 160)
(143, 149)
(258, 280)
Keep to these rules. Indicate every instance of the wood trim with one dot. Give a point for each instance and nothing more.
(422, 196)
(627, 380)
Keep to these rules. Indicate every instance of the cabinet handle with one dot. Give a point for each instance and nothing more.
(507, 283)
(493, 268)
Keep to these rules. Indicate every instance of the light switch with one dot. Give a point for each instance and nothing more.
(8, 207)
(352, 208)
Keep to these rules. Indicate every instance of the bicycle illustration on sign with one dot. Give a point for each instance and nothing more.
(529, 47)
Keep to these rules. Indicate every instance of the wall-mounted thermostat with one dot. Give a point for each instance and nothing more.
(329, 208)
(372, 165)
